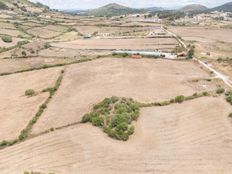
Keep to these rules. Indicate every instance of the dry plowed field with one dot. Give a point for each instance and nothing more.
(140, 44)
(190, 138)
(16, 110)
(145, 80)
(195, 33)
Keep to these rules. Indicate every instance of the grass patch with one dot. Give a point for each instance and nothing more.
(115, 116)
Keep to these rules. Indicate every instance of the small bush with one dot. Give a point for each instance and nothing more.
(179, 99)
(29, 92)
(229, 96)
(7, 39)
(47, 45)
(24, 54)
(230, 115)
(220, 91)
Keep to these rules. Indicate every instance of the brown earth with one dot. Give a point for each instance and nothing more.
(186, 138)
(140, 44)
(16, 110)
(144, 80)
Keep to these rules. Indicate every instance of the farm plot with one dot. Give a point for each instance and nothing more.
(43, 32)
(14, 65)
(176, 139)
(54, 52)
(110, 30)
(144, 80)
(14, 33)
(57, 28)
(68, 36)
(7, 45)
(135, 44)
(224, 35)
(16, 109)
(5, 25)
(217, 42)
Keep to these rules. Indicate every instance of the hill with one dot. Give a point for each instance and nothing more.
(113, 9)
(22, 6)
(154, 9)
(193, 8)
(225, 7)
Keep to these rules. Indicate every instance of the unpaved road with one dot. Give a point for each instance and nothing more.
(219, 75)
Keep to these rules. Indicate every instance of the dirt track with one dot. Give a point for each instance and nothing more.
(186, 138)
(145, 80)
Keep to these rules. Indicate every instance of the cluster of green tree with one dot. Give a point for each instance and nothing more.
(115, 116)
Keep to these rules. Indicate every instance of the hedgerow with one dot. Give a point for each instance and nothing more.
(26, 131)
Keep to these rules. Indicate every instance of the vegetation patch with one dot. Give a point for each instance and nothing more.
(26, 172)
(6, 38)
(220, 90)
(29, 92)
(230, 115)
(229, 96)
(115, 116)
(26, 131)
(177, 99)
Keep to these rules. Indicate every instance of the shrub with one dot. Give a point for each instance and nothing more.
(179, 99)
(47, 45)
(20, 43)
(205, 93)
(6, 38)
(29, 92)
(24, 54)
(190, 52)
(220, 91)
(229, 96)
(230, 115)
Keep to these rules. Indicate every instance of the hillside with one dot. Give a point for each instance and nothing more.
(154, 9)
(193, 8)
(225, 7)
(22, 6)
(113, 9)
(3, 6)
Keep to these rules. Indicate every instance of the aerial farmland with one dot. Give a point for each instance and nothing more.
(115, 90)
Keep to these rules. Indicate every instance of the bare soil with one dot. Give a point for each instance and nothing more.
(176, 139)
(16, 110)
(139, 44)
(144, 80)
